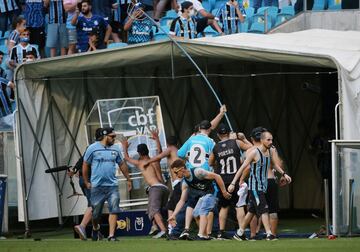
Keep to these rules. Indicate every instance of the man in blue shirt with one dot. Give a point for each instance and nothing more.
(197, 148)
(86, 22)
(139, 26)
(104, 158)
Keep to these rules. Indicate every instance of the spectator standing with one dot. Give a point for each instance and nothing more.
(230, 15)
(8, 9)
(56, 31)
(139, 26)
(35, 22)
(70, 8)
(85, 23)
(18, 25)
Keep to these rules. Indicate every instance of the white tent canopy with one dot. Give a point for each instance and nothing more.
(56, 92)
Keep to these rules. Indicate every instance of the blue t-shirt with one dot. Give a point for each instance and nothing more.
(197, 150)
(140, 31)
(34, 13)
(85, 26)
(104, 162)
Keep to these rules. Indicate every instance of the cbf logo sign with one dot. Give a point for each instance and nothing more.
(140, 121)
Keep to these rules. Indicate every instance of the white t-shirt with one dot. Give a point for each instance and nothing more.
(197, 5)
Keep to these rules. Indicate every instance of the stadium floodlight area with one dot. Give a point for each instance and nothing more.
(345, 187)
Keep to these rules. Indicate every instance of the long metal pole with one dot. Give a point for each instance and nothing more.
(327, 216)
(192, 61)
(351, 203)
(334, 187)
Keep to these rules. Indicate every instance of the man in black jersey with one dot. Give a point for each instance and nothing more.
(226, 159)
(198, 191)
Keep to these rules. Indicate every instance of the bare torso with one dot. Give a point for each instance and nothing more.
(170, 159)
(149, 173)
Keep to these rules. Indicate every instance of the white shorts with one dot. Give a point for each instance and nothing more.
(243, 192)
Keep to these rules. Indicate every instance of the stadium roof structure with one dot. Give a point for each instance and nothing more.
(54, 95)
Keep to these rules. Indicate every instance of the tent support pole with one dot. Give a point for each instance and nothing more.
(54, 152)
(27, 233)
(172, 62)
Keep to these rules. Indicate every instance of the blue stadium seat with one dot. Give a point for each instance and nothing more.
(209, 32)
(6, 35)
(281, 18)
(162, 35)
(116, 45)
(259, 27)
(212, 3)
(289, 10)
(166, 21)
(319, 5)
(171, 13)
(271, 11)
(207, 6)
(244, 27)
(219, 4)
(249, 12)
(334, 5)
(214, 11)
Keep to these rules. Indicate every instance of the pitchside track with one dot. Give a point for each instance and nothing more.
(150, 245)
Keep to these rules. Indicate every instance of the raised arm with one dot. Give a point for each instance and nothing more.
(125, 145)
(215, 122)
(242, 142)
(155, 137)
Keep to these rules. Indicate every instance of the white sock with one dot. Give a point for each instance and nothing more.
(240, 232)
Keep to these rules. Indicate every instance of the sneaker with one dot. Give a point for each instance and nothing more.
(184, 234)
(112, 239)
(252, 238)
(172, 237)
(154, 230)
(80, 230)
(201, 238)
(271, 237)
(161, 234)
(97, 235)
(222, 236)
(239, 237)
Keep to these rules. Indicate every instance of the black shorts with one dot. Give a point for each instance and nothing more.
(201, 24)
(175, 197)
(257, 203)
(116, 27)
(194, 196)
(222, 203)
(37, 36)
(272, 196)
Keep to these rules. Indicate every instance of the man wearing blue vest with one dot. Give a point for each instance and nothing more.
(103, 157)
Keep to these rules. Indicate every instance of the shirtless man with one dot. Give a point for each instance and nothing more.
(158, 192)
(171, 154)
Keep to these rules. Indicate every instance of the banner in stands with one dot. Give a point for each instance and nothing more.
(3, 179)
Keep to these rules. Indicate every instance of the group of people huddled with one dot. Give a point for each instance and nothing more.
(207, 179)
